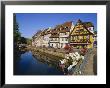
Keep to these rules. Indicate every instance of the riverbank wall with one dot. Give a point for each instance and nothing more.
(51, 53)
(84, 67)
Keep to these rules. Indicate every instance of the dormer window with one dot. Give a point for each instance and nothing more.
(66, 27)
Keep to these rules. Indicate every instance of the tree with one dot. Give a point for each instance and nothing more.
(95, 32)
(17, 34)
(23, 40)
(29, 41)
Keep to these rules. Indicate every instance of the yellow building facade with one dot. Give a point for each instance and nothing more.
(81, 36)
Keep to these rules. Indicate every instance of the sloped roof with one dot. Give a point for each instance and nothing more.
(54, 31)
(65, 27)
(48, 31)
(88, 24)
(85, 25)
(56, 35)
(44, 32)
(63, 30)
(37, 33)
(67, 24)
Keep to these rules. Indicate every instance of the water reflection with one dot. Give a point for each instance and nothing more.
(27, 64)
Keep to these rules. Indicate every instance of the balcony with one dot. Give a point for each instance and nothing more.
(81, 41)
(54, 40)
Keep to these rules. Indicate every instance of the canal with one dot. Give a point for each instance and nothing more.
(27, 64)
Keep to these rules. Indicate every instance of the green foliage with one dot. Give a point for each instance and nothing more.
(23, 40)
(17, 34)
(95, 32)
(29, 41)
(70, 61)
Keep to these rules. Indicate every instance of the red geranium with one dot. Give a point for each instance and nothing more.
(66, 47)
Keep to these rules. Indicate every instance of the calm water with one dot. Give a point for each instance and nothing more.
(26, 64)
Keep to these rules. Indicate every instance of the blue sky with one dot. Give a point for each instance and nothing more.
(30, 23)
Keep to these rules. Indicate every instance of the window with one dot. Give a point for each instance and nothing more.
(57, 45)
(66, 39)
(67, 33)
(61, 45)
(55, 39)
(72, 38)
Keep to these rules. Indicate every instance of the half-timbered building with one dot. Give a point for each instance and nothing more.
(81, 35)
